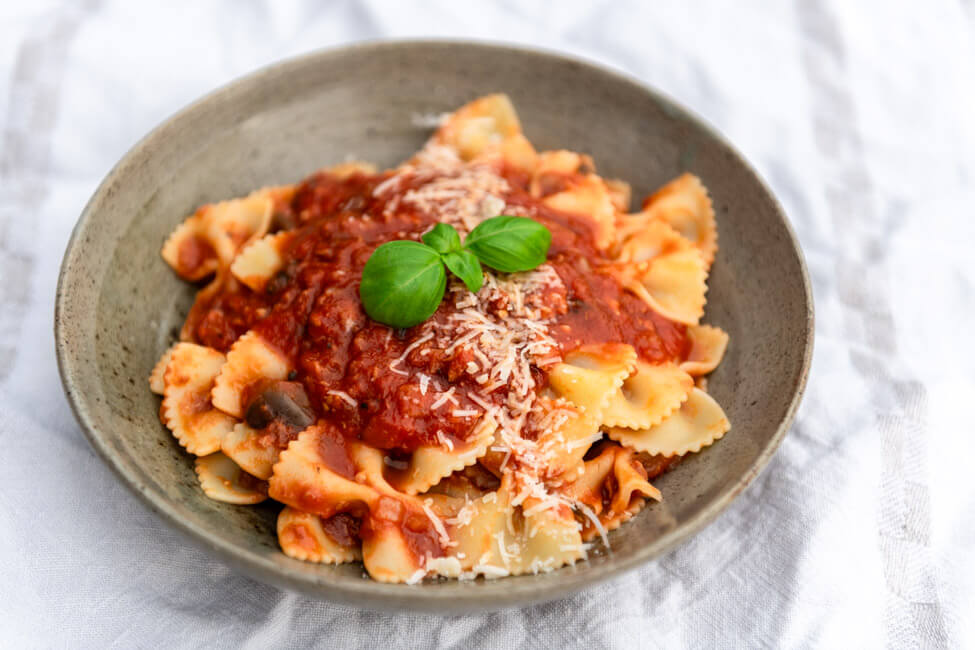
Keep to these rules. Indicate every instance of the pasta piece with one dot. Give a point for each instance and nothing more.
(476, 126)
(223, 480)
(316, 473)
(215, 233)
(500, 539)
(647, 396)
(589, 197)
(558, 170)
(563, 161)
(698, 423)
(188, 251)
(250, 360)
(249, 449)
(707, 349)
(387, 557)
(518, 153)
(684, 204)
(620, 193)
(613, 488)
(566, 434)
(323, 473)
(496, 458)
(229, 225)
(656, 464)
(650, 242)
(514, 152)
(201, 303)
(674, 285)
(157, 378)
(186, 406)
(588, 376)
(305, 536)
(444, 506)
(350, 168)
(465, 485)
(566, 181)
(260, 260)
(476, 537)
(430, 464)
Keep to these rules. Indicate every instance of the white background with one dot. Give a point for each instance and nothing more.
(860, 533)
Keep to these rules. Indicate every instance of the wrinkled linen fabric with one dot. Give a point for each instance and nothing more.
(858, 534)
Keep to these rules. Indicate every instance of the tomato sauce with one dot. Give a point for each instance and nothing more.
(311, 311)
(192, 254)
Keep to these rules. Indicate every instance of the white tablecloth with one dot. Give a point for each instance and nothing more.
(861, 531)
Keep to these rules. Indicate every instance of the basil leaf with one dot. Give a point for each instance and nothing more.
(443, 239)
(403, 283)
(465, 266)
(509, 244)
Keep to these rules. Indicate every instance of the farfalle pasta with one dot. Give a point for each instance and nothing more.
(510, 432)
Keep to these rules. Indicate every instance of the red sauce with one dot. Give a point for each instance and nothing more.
(334, 451)
(343, 528)
(193, 253)
(312, 313)
(219, 318)
(410, 524)
(656, 465)
(599, 310)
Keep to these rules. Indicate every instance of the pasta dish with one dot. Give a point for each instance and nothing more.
(473, 364)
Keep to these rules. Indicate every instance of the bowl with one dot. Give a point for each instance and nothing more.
(119, 305)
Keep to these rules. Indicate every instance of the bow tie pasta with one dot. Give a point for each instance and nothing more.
(509, 433)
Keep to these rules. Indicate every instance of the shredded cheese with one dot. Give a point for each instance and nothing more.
(587, 511)
(443, 399)
(438, 525)
(502, 549)
(345, 397)
(445, 441)
(416, 577)
(585, 442)
(496, 336)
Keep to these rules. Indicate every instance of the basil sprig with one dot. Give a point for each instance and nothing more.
(403, 282)
(509, 244)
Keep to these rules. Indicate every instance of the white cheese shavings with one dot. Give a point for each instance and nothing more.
(345, 397)
(438, 526)
(443, 399)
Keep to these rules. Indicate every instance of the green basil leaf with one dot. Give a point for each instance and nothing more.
(403, 283)
(509, 244)
(465, 266)
(443, 239)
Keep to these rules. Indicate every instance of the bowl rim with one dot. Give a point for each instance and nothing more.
(371, 594)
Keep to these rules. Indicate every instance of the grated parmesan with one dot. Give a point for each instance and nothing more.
(345, 397)
(443, 399)
(438, 526)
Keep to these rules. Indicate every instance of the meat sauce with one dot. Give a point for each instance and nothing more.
(311, 311)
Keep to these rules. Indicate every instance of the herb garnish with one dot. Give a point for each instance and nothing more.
(403, 282)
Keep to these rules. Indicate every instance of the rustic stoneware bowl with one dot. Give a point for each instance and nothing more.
(119, 305)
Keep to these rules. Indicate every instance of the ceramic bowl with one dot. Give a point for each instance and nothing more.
(119, 305)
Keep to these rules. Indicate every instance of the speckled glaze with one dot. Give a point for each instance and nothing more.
(119, 305)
